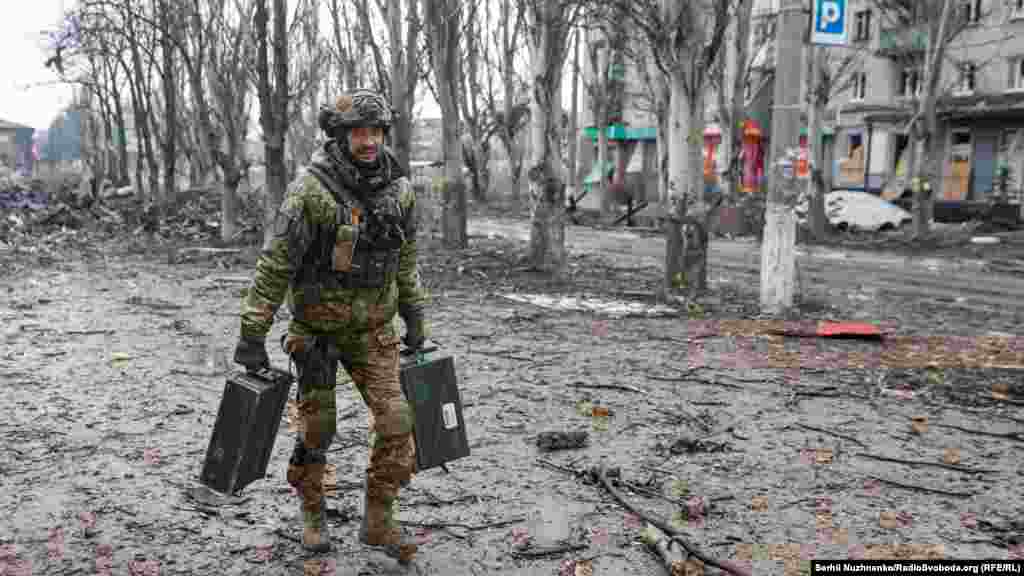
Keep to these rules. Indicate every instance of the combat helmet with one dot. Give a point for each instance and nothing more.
(362, 107)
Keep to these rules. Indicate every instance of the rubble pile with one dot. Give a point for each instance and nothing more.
(39, 216)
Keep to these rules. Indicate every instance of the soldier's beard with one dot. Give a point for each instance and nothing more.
(365, 154)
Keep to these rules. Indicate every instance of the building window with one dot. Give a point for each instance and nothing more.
(860, 86)
(1015, 77)
(910, 82)
(965, 83)
(862, 21)
(970, 11)
(1016, 9)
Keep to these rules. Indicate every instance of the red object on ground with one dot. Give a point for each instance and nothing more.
(848, 330)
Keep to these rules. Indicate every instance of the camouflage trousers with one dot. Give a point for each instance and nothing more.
(392, 452)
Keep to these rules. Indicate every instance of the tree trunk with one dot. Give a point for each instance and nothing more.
(816, 185)
(547, 187)
(273, 106)
(679, 182)
(194, 69)
(600, 188)
(403, 77)
(170, 152)
(697, 221)
(574, 118)
(228, 200)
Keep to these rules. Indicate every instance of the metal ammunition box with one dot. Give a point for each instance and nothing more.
(430, 385)
(246, 427)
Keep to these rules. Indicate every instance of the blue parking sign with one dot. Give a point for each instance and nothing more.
(829, 21)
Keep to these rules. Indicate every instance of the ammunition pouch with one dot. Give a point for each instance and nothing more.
(372, 267)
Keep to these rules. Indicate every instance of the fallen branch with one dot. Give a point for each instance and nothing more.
(934, 464)
(691, 379)
(280, 532)
(1008, 435)
(87, 332)
(469, 527)
(541, 552)
(831, 433)
(923, 489)
(507, 354)
(659, 523)
(624, 387)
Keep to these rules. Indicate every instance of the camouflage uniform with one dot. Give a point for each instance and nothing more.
(359, 226)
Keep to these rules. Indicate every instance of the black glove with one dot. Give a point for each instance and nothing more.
(416, 329)
(251, 352)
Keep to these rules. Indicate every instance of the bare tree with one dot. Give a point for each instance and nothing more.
(685, 40)
(549, 24)
(513, 113)
(443, 19)
(273, 97)
(405, 69)
(230, 61)
(941, 23)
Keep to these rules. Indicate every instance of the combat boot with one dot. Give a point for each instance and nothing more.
(380, 529)
(308, 480)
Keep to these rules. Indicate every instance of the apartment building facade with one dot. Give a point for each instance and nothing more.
(980, 101)
(980, 119)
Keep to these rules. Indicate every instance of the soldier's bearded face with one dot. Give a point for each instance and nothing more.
(364, 141)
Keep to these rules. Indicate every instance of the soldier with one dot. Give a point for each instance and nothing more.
(344, 247)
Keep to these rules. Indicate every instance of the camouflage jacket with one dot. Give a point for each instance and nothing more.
(312, 228)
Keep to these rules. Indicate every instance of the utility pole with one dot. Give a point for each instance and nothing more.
(778, 263)
(816, 188)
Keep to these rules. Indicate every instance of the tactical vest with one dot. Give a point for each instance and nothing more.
(363, 254)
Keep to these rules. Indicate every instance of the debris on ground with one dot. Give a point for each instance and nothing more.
(551, 441)
(614, 308)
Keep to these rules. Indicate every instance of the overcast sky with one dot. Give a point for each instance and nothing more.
(28, 93)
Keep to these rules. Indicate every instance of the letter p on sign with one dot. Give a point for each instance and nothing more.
(830, 14)
(829, 22)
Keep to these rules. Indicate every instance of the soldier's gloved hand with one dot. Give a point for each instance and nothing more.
(416, 329)
(251, 352)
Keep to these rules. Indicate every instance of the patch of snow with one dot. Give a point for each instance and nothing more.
(859, 211)
(615, 308)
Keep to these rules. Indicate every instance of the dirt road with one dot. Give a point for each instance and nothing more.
(965, 284)
(113, 363)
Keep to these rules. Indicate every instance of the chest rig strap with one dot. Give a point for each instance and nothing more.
(374, 263)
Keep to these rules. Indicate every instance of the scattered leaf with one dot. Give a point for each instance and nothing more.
(823, 456)
(679, 520)
(584, 408)
(888, 520)
(599, 328)
(520, 536)
(679, 489)
(632, 521)
(968, 520)
(822, 520)
(583, 568)
(856, 552)
(952, 456)
(1001, 391)
(599, 536)
(264, 552)
(919, 424)
(759, 503)
(872, 487)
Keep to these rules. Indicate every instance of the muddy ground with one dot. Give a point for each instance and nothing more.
(115, 352)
